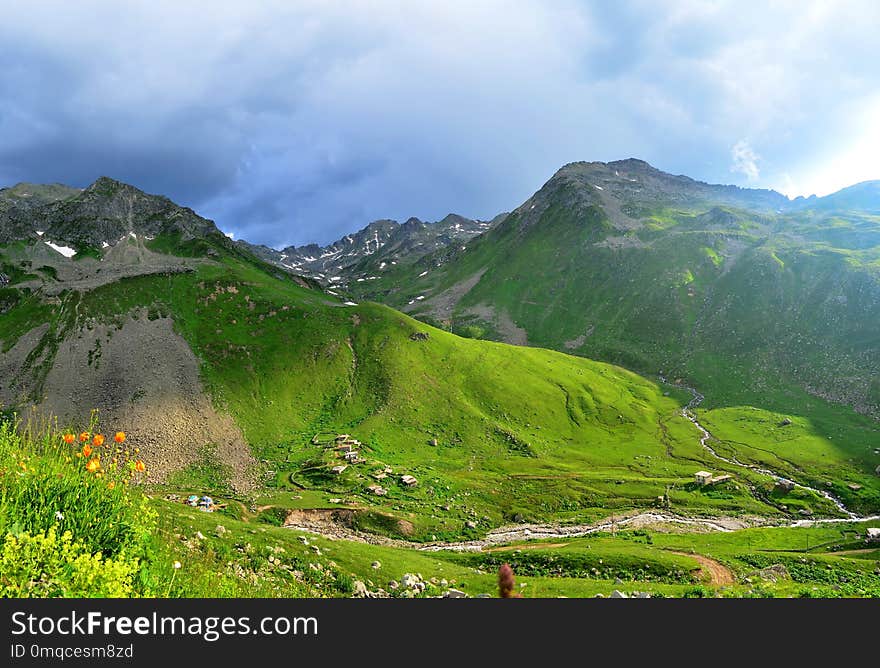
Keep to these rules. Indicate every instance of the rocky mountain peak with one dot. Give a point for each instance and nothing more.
(101, 214)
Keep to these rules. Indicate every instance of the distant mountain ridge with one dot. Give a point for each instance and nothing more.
(381, 243)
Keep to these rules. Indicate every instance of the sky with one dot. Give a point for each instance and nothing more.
(299, 121)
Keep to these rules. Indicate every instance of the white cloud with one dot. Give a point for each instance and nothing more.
(745, 160)
(299, 121)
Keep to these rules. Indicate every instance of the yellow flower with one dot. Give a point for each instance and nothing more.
(93, 465)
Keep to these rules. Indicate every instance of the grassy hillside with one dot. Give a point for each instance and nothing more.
(233, 379)
(54, 544)
(520, 432)
(758, 310)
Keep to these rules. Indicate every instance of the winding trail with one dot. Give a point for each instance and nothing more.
(717, 573)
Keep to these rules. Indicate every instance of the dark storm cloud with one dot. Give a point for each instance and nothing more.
(292, 122)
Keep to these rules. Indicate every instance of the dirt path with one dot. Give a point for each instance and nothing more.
(718, 574)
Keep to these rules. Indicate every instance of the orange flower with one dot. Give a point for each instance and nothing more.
(87, 450)
(98, 440)
(69, 438)
(139, 466)
(93, 465)
(120, 437)
(111, 485)
(83, 437)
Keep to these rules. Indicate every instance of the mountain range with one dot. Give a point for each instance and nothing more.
(380, 244)
(629, 293)
(743, 292)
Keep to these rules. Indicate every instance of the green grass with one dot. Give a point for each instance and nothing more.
(520, 432)
(175, 550)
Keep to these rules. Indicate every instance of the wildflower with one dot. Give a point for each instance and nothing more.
(98, 440)
(120, 437)
(93, 465)
(176, 565)
(59, 515)
(139, 466)
(23, 466)
(83, 437)
(87, 450)
(69, 438)
(111, 485)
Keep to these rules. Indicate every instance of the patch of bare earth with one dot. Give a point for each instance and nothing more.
(144, 380)
(339, 524)
(716, 573)
(580, 340)
(12, 363)
(442, 305)
(129, 257)
(505, 326)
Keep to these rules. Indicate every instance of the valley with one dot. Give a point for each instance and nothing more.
(319, 416)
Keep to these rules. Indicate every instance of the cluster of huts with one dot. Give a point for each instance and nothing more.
(348, 448)
(704, 478)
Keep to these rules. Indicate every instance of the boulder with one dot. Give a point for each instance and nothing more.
(455, 593)
(411, 581)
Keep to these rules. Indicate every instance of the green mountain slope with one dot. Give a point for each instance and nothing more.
(621, 263)
(232, 376)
